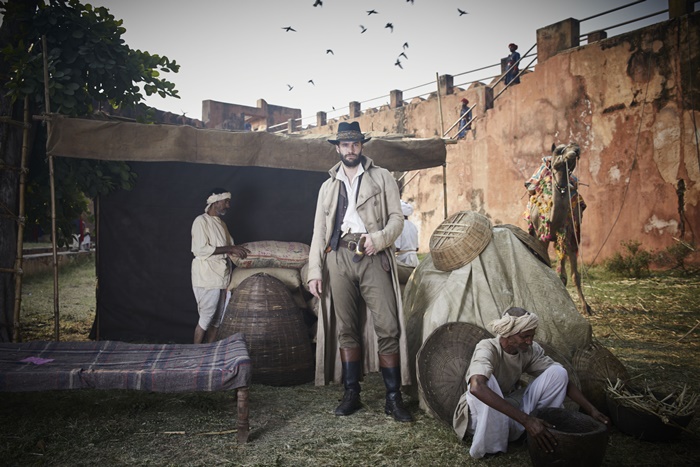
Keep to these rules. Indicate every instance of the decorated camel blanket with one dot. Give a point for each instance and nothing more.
(42, 366)
(542, 200)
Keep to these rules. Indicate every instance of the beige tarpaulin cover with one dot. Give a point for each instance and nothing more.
(505, 274)
(126, 141)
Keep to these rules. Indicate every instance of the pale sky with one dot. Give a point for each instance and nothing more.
(237, 51)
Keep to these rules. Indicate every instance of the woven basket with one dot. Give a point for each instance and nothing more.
(441, 366)
(596, 365)
(459, 239)
(581, 440)
(533, 244)
(262, 308)
(644, 425)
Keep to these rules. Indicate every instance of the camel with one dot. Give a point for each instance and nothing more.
(555, 210)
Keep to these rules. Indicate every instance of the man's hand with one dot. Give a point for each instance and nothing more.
(240, 251)
(369, 246)
(537, 429)
(601, 417)
(315, 287)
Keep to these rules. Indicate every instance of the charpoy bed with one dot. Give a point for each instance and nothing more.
(45, 366)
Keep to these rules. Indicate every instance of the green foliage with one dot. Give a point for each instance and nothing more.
(674, 256)
(88, 60)
(634, 263)
(80, 180)
(88, 64)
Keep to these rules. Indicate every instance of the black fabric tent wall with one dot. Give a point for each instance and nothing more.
(143, 249)
(144, 257)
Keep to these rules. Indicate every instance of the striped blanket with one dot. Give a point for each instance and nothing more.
(42, 366)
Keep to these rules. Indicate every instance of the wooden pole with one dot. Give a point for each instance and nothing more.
(20, 225)
(97, 268)
(442, 132)
(52, 184)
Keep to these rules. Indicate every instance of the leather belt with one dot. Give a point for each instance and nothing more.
(352, 243)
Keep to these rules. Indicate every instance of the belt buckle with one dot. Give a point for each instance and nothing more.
(359, 248)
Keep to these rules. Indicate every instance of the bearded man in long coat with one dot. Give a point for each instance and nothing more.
(358, 218)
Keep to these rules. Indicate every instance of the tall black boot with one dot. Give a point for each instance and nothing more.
(391, 371)
(352, 366)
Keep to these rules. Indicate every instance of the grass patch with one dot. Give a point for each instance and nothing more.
(647, 323)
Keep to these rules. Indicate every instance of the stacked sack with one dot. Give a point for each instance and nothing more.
(286, 261)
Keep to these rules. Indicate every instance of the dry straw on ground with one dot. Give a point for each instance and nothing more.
(644, 322)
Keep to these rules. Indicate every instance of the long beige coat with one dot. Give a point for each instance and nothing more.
(379, 207)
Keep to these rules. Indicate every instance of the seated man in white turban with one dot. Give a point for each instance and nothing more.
(494, 409)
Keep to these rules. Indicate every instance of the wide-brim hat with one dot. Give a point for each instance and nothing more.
(513, 45)
(349, 132)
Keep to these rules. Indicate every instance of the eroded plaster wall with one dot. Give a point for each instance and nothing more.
(629, 101)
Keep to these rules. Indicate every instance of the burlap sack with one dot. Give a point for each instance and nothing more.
(273, 254)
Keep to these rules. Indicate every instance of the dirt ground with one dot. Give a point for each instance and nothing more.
(650, 325)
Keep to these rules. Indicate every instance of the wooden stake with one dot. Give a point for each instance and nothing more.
(444, 165)
(52, 184)
(20, 225)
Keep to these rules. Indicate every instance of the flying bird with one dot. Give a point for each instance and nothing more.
(318, 3)
(462, 12)
(329, 51)
(290, 87)
(371, 12)
(403, 55)
(289, 28)
(363, 29)
(391, 26)
(398, 63)
(405, 45)
(312, 82)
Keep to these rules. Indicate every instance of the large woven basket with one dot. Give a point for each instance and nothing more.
(581, 440)
(262, 308)
(441, 366)
(533, 244)
(459, 239)
(596, 365)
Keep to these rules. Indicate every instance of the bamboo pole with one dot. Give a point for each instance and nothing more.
(97, 267)
(20, 225)
(444, 165)
(52, 184)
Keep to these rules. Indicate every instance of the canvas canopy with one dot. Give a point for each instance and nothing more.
(143, 256)
(127, 141)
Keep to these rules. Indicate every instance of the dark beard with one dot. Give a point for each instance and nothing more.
(357, 161)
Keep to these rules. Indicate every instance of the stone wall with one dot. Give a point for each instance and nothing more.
(631, 103)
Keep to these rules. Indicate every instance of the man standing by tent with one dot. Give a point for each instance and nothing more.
(211, 267)
(407, 243)
(358, 218)
(494, 410)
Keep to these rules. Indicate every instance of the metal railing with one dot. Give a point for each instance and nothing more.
(283, 127)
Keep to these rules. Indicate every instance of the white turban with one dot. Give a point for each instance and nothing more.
(213, 198)
(511, 325)
(406, 208)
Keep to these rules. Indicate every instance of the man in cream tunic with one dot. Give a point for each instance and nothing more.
(211, 267)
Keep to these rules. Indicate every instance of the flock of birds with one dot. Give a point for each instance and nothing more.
(363, 29)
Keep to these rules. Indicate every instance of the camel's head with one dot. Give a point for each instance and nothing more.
(565, 156)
